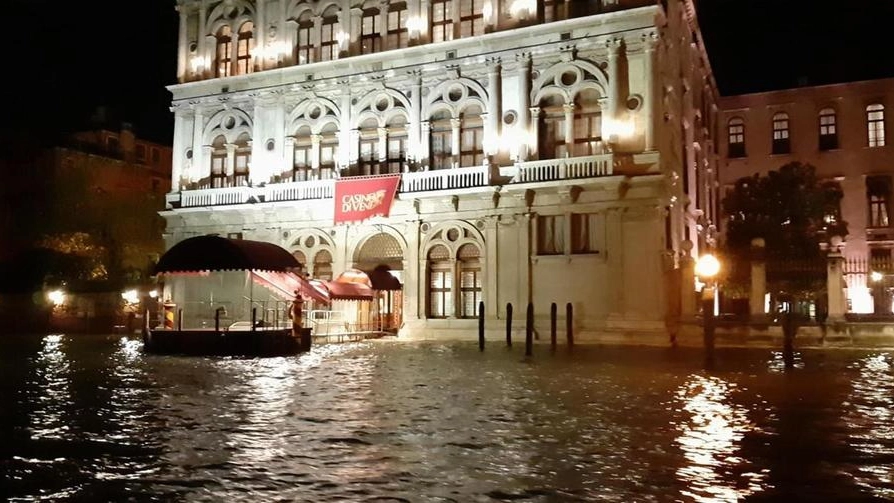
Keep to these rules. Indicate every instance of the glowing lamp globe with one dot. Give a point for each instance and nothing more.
(707, 266)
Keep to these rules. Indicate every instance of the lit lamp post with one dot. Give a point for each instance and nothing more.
(706, 269)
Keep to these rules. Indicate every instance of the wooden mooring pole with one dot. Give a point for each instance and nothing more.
(481, 325)
(569, 324)
(553, 314)
(509, 324)
(529, 330)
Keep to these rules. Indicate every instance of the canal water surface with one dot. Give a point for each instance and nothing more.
(93, 418)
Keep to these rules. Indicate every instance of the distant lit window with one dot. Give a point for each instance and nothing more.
(469, 261)
(218, 163)
(471, 18)
(370, 32)
(441, 141)
(781, 142)
(551, 234)
(828, 129)
(440, 283)
(242, 160)
(471, 137)
(396, 157)
(301, 164)
(551, 128)
(244, 47)
(224, 54)
(736, 137)
(441, 20)
(397, 26)
(587, 123)
(878, 194)
(368, 163)
(329, 35)
(551, 10)
(304, 47)
(328, 150)
(875, 123)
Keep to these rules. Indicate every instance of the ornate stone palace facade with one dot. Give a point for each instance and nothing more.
(549, 151)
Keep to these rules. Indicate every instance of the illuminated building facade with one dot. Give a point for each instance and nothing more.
(844, 131)
(548, 152)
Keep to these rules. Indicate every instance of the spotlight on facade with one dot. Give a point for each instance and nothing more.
(876, 276)
(57, 297)
(153, 294)
(707, 267)
(130, 296)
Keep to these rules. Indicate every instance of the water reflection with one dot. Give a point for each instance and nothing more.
(51, 390)
(870, 417)
(710, 440)
(777, 361)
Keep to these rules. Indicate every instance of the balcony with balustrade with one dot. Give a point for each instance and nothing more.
(419, 184)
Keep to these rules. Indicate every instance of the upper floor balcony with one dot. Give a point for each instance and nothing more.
(417, 184)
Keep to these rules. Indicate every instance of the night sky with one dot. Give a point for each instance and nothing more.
(68, 58)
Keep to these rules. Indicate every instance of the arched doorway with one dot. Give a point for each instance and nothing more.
(381, 258)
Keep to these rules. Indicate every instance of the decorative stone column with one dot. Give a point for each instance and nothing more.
(315, 141)
(289, 155)
(414, 147)
(494, 110)
(353, 28)
(207, 61)
(758, 281)
(534, 128)
(614, 86)
(455, 147)
(650, 41)
(424, 146)
(179, 154)
(568, 108)
(835, 282)
(230, 166)
(527, 129)
(182, 51)
(383, 148)
(204, 170)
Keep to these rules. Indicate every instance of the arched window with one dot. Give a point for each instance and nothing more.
(224, 56)
(304, 45)
(397, 143)
(397, 26)
(323, 265)
(302, 260)
(441, 20)
(828, 129)
(552, 128)
(781, 141)
(440, 283)
(471, 18)
(303, 144)
(471, 137)
(587, 123)
(370, 32)
(469, 258)
(441, 139)
(244, 48)
(242, 160)
(736, 137)
(875, 124)
(329, 35)
(218, 162)
(368, 163)
(328, 150)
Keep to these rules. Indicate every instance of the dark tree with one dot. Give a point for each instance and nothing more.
(790, 208)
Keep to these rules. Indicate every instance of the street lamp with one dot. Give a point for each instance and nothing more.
(706, 268)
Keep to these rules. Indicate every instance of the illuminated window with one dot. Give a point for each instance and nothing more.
(303, 145)
(370, 32)
(441, 20)
(469, 262)
(441, 148)
(552, 10)
(781, 142)
(329, 35)
(828, 130)
(587, 232)
(328, 150)
(397, 26)
(304, 48)
(242, 160)
(878, 194)
(224, 59)
(587, 124)
(368, 163)
(471, 18)
(551, 134)
(397, 144)
(471, 137)
(218, 162)
(550, 234)
(440, 283)
(875, 124)
(736, 137)
(244, 48)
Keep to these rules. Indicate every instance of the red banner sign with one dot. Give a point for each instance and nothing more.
(359, 198)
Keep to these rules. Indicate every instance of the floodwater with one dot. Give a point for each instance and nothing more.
(93, 418)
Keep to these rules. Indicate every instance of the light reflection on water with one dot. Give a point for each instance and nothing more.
(870, 418)
(710, 441)
(443, 422)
